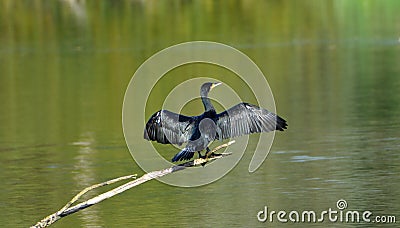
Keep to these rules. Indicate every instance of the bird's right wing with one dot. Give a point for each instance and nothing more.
(169, 128)
(244, 119)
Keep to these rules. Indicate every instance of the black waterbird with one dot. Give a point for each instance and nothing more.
(199, 131)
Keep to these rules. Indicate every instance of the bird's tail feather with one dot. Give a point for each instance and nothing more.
(183, 155)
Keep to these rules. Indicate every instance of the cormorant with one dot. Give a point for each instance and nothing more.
(199, 131)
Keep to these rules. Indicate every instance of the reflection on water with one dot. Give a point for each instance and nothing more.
(304, 158)
(332, 65)
(84, 176)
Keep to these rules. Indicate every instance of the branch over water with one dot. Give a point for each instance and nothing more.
(69, 209)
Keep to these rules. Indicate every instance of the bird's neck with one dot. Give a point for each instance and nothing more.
(207, 103)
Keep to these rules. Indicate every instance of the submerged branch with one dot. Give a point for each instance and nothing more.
(69, 209)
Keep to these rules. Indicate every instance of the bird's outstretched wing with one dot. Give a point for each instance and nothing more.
(169, 128)
(244, 118)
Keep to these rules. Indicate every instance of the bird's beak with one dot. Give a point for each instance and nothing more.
(215, 85)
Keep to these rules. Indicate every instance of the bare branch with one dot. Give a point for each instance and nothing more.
(69, 209)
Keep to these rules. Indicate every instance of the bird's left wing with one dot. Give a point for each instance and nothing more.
(169, 128)
(244, 119)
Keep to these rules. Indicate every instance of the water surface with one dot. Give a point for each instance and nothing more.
(332, 66)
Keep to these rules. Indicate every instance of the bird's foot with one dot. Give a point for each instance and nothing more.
(202, 156)
(215, 155)
(208, 155)
(211, 155)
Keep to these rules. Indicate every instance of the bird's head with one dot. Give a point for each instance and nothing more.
(207, 87)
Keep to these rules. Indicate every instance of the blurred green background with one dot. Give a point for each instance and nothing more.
(333, 67)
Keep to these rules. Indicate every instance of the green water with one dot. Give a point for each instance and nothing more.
(333, 67)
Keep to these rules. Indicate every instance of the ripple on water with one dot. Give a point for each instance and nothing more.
(306, 158)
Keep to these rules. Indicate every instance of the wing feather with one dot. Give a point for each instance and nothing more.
(244, 119)
(169, 128)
